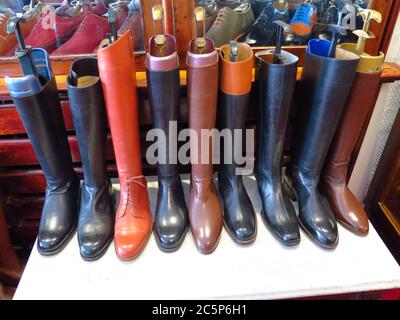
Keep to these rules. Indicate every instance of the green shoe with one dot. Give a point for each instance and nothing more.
(230, 24)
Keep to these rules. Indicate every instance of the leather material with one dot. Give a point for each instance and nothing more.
(9, 41)
(348, 210)
(239, 214)
(230, 24)
(133, 219)
(43, 34)
(205, 213)
(236, 77)
(96, 219)
(10, 267)
(171, 220)
(43, 121)
(324, 88)
(87, 37)
(275, 88)
(235, 85)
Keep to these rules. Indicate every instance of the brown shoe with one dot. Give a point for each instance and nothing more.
(8, 41)
(230, 24)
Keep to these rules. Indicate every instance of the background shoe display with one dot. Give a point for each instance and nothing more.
(230, 24)
(133, 223)
(87, 37)
(304, 19)
(8, 42)
(235, 85)
(96, 217)
(263, 31)
(211, 11)
(259, 5)
(133, 22)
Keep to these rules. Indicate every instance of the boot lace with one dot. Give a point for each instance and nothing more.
(220, 17)
(131, 199)
(301, 14)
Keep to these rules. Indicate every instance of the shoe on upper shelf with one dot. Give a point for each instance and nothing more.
(259, 5)
(230, 24)
(8, 41)
(304, 19)
(56, 27)
(87, 38)
(133, 22)
(263, 31)
(212, 10)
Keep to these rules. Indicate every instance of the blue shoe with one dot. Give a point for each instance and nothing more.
(304, 19)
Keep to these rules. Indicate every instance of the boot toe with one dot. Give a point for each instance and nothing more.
(129, 244)
(206, 244)
(326, 235)
(50, 243)
(92, 248)
(170, 241)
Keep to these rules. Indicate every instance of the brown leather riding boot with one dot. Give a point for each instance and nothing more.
(10, 267)
(348, 210)
(205, 213)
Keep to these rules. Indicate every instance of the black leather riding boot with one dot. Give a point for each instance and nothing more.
(171, 217)
(96, 218)
(235, 84)
(275, 88)
(39, 107)
(323, 91)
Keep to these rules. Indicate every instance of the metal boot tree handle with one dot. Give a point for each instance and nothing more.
(200, 20)
(24, 53)
(158, 26)
(281, 28)
(368, 15)
(336, 31)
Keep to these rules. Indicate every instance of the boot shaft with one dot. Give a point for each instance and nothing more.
(202, 102)
(358, 106)
(89, 116)
(41, 115)
(234, 94)
(162, 69)
(275, 88)
(118, 78)
(323, 91)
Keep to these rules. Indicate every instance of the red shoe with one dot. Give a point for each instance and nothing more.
(43, 34)
(90, 33)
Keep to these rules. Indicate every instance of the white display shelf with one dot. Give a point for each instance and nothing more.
(263, 270)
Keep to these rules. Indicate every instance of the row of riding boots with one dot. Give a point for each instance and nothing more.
(326, 121)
